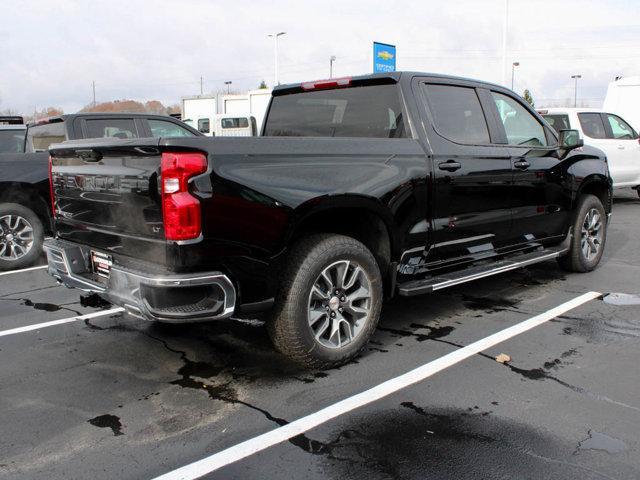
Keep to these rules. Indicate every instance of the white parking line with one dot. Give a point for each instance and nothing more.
(52, 323)
(23, 270)
(304, 424)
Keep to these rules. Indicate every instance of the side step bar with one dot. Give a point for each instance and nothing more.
(431, 284)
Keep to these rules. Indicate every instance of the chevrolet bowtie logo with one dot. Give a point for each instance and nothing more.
(385, 55)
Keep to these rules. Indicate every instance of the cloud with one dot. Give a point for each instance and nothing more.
(159, 49)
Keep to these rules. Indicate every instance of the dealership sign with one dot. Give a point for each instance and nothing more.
(384, 57)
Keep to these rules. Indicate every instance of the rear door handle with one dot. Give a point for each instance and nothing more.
(522, 164)
(449, 166)
(620, 147)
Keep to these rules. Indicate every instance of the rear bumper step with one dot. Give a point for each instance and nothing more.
(431, 284)
(166, 297)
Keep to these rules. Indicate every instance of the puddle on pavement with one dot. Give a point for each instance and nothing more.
(108, 421)
(47, 307)
(600, 441)
(489, 304)
(621, 299)
(416, 442)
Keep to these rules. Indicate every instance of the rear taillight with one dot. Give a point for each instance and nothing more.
(181, 210)
(51, 195)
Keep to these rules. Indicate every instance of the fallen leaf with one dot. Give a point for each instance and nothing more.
(503, 358)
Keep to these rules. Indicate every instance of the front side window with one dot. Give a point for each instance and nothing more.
(203, 125)
(370, 111)
(164, 129)
(558, 121)
(39, 137)
(111, 128)
(457, 113)
(592, 125)
(621, 130)
(521, 127)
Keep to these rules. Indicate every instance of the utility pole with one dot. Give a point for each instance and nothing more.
(505, 31)
(228, 84)
(275, 39)
(332, 59)
(575, 90)
(200, 84)
(513, 70)
(93, 84)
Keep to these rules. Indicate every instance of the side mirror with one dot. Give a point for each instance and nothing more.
(570, 139)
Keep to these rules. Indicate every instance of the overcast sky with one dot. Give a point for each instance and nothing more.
(51, 51)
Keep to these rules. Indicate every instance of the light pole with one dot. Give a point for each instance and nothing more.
(575, 90)
(332, 59)
(228, 86)
(513, 72)
(275, 39)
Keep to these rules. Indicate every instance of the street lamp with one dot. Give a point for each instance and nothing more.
(575, 90)
(228, 86)
(275, 39)
(332, 59)
(513, 70)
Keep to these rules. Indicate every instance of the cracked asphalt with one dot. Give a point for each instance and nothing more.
(115, 397)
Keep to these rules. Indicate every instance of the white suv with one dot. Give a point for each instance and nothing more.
(608, 132)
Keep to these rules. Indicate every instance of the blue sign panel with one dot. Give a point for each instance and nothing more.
(384, 57)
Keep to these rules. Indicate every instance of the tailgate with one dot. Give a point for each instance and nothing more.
(107, 195)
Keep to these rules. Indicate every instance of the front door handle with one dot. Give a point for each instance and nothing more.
(449, 166)
(522, 164)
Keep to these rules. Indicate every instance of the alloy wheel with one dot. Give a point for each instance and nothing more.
(339, 304)
(592, 233)
(16, 237)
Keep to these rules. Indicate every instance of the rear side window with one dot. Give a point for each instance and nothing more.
(521, 127)
(592, 125)
(621, 130)
(457, 113)
(111, 127)
(12, 141)
(371, 111)
(240, 122)
(40, 137)
(164, 129)
(558, 121)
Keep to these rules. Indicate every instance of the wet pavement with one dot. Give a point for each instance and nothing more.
(115, 397)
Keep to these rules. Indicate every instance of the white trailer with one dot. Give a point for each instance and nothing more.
(623, 98)
(198, 112)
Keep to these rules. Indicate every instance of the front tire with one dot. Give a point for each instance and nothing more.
(589, 236)
(21, 236)
(329, 303)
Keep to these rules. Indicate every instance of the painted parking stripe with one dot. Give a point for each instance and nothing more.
(23, 270)
(52, 323)
(304, 424)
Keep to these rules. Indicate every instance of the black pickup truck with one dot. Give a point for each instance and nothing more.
(359, 188)
(24, 172)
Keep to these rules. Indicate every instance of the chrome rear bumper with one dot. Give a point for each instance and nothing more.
(164, 297)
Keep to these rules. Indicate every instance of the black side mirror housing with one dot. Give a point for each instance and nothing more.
(570, 139)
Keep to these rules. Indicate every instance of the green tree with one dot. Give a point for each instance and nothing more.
(527, 96)
(263, 84)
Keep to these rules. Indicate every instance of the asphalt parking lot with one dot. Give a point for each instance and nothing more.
(115, 397)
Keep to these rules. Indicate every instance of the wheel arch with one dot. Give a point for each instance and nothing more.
(360, 217)
(598, 185)
(30, 196)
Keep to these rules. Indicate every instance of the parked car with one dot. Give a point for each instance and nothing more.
(608, 132)
(25, 196)
(385, 184)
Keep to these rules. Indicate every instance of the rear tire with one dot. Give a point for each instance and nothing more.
(589, 236)
(329, 303)
(21, 236)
